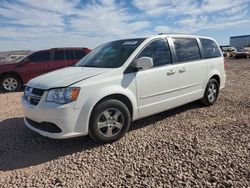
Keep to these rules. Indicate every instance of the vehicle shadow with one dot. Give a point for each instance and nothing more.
(164, 115)
(21, 147)
(5, 92)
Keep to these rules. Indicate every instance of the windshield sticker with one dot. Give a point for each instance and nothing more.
(133, 42)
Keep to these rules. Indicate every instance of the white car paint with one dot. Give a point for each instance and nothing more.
(150, 91)
(64, 77)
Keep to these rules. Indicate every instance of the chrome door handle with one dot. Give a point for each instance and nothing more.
(169, 73)
(182, 70)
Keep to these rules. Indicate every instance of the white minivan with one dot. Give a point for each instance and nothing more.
(122, 81)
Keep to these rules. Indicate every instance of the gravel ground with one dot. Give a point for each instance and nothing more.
(190, 146)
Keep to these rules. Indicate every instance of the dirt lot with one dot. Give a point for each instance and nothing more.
(189, 146)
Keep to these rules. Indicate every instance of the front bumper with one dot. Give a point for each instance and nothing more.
(63, 116)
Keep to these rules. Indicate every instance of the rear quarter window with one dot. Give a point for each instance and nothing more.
(186, 49)
(210, 48)
(69, 54)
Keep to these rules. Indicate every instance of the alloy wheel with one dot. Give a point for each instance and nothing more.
(212, 92)
(110, 122)
(10, 84)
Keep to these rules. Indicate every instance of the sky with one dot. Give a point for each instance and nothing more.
(42, 24)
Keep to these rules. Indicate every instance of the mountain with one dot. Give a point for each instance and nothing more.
(13, 56)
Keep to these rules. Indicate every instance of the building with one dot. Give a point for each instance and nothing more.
(240, 41)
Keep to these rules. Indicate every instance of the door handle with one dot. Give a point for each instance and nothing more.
(171, 72)
(184, 69)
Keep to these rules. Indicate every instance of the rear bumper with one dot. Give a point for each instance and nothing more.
(223, 81)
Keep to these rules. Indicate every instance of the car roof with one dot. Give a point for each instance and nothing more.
(162, 35)
(69, 48)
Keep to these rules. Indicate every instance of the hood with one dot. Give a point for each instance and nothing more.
(65, 77)
(9, 64)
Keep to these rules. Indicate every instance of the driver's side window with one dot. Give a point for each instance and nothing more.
(160, 52)
(43, 56)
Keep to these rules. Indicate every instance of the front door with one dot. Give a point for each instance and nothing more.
(37, 64)
(157, 86)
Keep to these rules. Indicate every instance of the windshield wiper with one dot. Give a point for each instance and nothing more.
(91, 66)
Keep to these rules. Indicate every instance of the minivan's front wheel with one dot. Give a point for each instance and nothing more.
(10, 83)
(109, 121)
(211, 92)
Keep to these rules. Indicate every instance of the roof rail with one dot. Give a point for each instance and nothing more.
(175, 33)
(163, 33)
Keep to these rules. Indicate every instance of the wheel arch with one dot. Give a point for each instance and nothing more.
(11, 73)
(216, 77)
(92, 100)
(120, 97)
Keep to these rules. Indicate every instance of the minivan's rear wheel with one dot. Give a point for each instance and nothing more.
(211, 92)
(109, 121)
(10, 83)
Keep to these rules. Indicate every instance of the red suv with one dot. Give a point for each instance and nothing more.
(13, 76)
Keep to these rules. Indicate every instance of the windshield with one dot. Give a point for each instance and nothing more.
(110, 55)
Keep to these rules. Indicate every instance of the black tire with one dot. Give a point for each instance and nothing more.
(207, 98)
(17, 84)
(103, 118)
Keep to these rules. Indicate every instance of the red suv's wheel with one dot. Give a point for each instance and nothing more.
(10, 83)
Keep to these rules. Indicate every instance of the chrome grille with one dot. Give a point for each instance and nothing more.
(33, 95)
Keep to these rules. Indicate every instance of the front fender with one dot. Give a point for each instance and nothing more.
(90, 101)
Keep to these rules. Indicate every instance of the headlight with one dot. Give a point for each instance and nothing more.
(63, 95)
(26, 91)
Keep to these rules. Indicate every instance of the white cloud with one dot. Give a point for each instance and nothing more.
(215, 5)
(66, 23)
(236, 9)
(187, 7)
(153, 8)
(198, 23)
(106, 18)
(166, 7)
(167, 29)
(44, 24)
(18, 14)
(58, 6)
(190, 16)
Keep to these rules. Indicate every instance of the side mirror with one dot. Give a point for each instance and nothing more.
(22, 62)
(144, 63)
